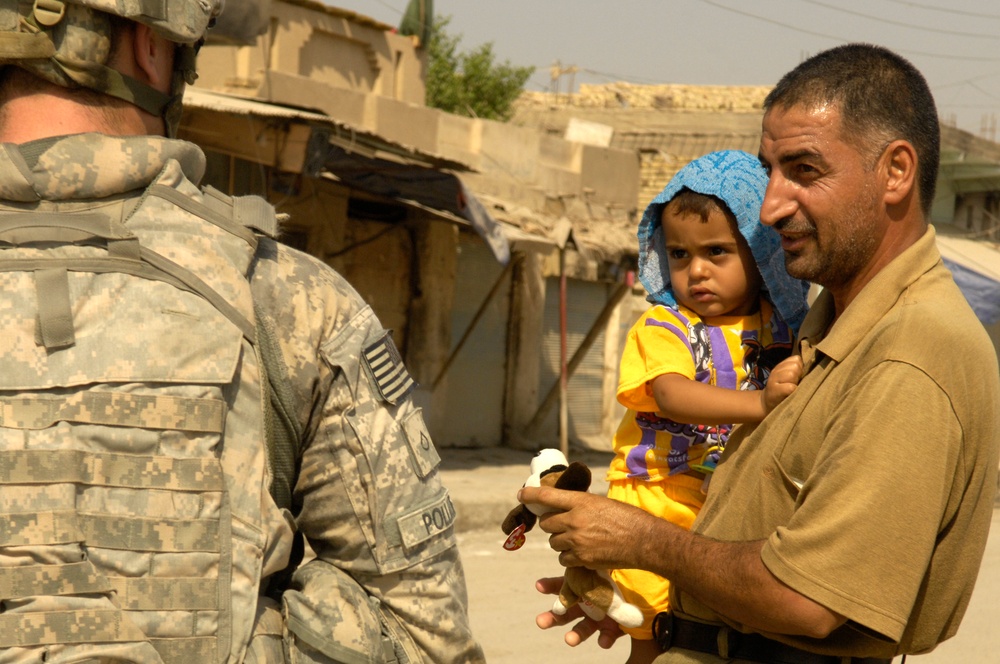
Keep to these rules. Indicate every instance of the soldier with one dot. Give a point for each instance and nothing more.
(143, 324)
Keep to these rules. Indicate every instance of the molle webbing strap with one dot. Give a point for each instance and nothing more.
(152, 266)
(115, 409)
(70, 579)
(109, 531)
(248, 211)
(110, 469)
(212, 210)
(55, 318)
(54, 329)
(188, 651)
(81, 627)
(64, 627)
(165, 594)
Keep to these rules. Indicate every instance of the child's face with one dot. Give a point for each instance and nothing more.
(712, 271)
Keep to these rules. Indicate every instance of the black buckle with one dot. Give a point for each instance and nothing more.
(663, 630)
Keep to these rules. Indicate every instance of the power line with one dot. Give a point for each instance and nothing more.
(903, 25)
(944, 10)
(968, 80)
(388, 6)
(842, 39)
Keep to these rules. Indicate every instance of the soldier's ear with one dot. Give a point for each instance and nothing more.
(153, 58)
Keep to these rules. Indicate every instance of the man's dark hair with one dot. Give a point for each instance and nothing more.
(881, 98)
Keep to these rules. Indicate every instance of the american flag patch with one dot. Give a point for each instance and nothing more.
(385, 366)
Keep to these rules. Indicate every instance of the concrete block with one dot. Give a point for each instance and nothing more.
(509, 151)
(560, 153)
(612, 175)
(460, 138)
(410, 125)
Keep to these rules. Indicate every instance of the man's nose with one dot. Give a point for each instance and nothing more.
(778, 203)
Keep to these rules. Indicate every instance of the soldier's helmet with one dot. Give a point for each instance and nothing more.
(68, 42)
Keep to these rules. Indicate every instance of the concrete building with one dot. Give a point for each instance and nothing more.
(458, 231)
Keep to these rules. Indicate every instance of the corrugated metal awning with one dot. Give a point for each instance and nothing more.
(350, 138)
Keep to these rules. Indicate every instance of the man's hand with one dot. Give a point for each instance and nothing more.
(599, 533)
(590, 530)
(608, 629)
(782, 382)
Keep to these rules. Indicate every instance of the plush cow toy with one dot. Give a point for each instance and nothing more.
(593, 589)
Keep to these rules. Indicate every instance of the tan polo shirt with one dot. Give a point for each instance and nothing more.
(873, 483)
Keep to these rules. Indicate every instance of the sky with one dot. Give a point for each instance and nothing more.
(955, 43)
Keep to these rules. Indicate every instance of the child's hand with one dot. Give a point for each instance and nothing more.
(783, 380)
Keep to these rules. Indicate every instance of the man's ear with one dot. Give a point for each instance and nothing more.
(900, 163)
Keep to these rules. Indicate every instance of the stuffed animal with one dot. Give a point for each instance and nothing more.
(593, 589)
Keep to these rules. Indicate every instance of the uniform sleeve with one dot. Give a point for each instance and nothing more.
(656, 345)
(386, 577)
(866, 522)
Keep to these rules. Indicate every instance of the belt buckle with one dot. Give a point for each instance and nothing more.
(663, 630)
(728, 642)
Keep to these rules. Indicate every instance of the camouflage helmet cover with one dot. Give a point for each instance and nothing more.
(68, 42)
(181, 21)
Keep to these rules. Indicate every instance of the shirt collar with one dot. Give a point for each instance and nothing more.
(870, 305)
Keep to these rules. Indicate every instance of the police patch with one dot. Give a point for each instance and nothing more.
(386, 370)
(426, 521)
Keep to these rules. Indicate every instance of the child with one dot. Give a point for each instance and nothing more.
(723, 317)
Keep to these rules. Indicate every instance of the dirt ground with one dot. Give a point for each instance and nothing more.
(503, 603)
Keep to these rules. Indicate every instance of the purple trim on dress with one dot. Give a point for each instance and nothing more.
(681, 334)
(722, 359)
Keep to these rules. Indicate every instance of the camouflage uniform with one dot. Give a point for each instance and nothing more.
(385, 583)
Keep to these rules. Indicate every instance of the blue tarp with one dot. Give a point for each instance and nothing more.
(982, 292)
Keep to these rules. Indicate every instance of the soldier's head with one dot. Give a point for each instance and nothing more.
(75, 43)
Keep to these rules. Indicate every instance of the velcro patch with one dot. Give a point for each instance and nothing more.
(386, 369)
(426, 522)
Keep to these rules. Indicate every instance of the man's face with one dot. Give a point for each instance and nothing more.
(822, 197)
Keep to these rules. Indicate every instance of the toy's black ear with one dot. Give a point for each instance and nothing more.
(518, 516)
(575, 478)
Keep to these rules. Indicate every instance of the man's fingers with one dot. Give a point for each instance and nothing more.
(549, 585)
(581, 631)
(542, 495)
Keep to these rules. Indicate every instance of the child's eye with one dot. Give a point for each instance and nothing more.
(717, 251)
(677, 254)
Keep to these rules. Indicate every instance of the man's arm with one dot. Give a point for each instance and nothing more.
(729, 577)
(690, 402)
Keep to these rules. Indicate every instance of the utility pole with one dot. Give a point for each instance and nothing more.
(556, 72)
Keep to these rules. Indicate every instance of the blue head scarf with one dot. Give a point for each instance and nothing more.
(738, 179)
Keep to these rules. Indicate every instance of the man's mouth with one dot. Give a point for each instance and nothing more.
(793, 243)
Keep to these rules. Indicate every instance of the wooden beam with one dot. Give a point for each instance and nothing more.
(280, 145)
